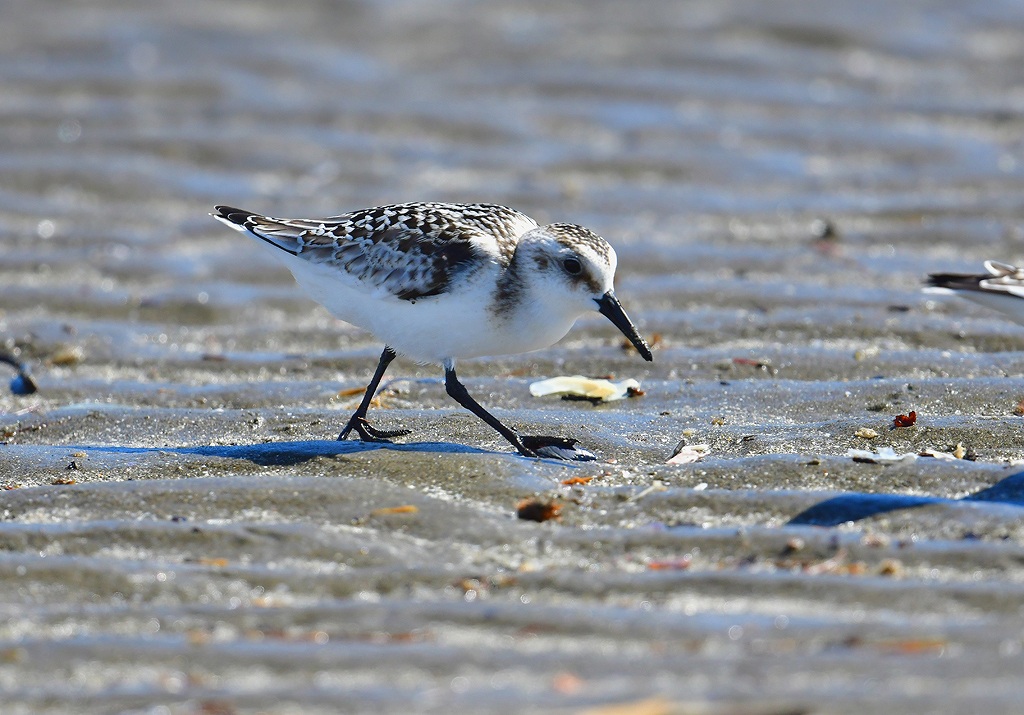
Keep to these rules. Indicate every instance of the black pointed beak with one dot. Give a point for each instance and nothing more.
(608, 306)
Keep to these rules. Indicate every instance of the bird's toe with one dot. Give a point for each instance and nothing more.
(369, 433)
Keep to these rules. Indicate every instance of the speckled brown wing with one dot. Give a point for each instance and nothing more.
(409, 250)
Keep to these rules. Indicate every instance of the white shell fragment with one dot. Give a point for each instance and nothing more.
(944, 456)
(585, 387)
(958, 453)
(887, 455)
(882, 456)
(690, 453)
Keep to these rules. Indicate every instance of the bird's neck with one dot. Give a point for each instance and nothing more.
(510, 290)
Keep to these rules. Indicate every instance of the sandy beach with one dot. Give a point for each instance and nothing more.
(181, 533)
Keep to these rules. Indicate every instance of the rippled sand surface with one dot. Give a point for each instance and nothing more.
(181, 534)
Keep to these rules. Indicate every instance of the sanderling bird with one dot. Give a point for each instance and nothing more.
(439, 282)
(1002, 288)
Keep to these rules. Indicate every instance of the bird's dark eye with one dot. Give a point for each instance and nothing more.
(572, 266)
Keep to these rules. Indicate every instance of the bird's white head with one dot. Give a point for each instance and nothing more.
(569, 260)
(571, 267)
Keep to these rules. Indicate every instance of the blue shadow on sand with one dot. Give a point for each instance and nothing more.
(283, 454)
(852, 507)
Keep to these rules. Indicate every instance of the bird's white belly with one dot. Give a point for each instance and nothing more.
(444, 327)
(1009, 305)
(432, 329)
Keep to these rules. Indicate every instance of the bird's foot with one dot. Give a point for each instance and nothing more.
(369, 433)
(563, 448)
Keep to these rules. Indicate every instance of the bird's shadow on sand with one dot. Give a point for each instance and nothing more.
(285, 454)
(853, 507)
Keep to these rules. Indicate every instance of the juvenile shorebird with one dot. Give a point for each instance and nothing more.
(1002, 288)
(438, 282)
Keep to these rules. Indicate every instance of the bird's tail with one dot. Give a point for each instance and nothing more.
(286, 234)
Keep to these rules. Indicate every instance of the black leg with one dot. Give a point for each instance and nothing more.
(358, 420)
(460, 394)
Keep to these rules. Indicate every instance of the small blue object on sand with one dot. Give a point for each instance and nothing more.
(23, 383)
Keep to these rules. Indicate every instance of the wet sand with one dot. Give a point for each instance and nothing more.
(182, 534)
